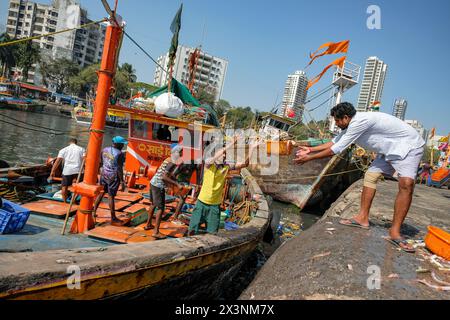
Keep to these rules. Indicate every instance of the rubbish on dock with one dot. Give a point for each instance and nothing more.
(440, 288)
(331, 229)
(350, 267)
(321, 255)
(421, 270)
(63, 261)
(393, 276)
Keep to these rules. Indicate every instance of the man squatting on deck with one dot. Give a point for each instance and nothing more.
(207, 207)
(163, 178)
(399, 148)
(72, 159)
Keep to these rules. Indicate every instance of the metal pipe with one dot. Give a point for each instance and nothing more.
(83, 220)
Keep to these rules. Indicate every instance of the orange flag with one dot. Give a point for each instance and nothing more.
(332, 48)
(338, 62)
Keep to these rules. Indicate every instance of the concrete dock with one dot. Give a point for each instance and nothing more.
(330, 261)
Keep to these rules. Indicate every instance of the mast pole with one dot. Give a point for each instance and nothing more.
(89, 189)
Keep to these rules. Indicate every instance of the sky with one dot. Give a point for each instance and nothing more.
(265, 41)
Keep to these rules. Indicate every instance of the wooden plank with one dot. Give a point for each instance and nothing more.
(50, 208)
(126, 196)
(119, 205)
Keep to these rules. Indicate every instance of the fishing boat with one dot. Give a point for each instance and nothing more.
(84, 117)
(126, 261)
(10, 99)
(23, 182)
(108, 261)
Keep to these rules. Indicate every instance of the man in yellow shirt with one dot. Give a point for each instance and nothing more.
(207, 208)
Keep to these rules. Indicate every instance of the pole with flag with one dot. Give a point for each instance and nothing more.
(175, 28)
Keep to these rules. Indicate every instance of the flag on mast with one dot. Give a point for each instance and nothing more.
(175, 28)
(338, 62)
(331, 48)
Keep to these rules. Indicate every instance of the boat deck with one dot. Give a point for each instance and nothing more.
(43, 229)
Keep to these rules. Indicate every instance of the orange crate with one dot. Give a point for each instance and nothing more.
(438, 241)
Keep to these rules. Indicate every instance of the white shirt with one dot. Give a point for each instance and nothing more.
(381, 133)
(73, 159)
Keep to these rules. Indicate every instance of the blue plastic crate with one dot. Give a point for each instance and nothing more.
(12, 217)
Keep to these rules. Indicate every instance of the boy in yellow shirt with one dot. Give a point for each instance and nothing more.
(207, 208)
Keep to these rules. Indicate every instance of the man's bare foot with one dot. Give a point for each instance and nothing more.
(159, 236)
(149, 227)
(116, 221)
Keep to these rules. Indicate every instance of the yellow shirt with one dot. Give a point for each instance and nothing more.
(213, 185)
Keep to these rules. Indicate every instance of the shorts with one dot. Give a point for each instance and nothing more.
(205, 213)
(67, 181)
(406, 168)
(111, 187)
(158, 197)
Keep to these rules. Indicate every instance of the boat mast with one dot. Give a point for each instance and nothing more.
(89, 189)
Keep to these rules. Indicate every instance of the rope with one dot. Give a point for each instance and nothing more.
(313, 177)
(145, 52)
(37, 126)
(31, 129)
(51, 33)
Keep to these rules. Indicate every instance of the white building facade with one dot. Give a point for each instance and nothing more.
(373, 83)
(399, 108)
(295, 93)
(210, 72)
(84, 46)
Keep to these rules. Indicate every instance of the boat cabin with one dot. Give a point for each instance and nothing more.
(150, 139)
(274, 124)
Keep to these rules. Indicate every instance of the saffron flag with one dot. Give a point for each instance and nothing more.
(338, 62)
(432, 133)
(175, 28)
(332, 48)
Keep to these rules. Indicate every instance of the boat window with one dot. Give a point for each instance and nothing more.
(139, 129)
(161, 132)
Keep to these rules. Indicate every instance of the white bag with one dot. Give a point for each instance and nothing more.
(169, 105)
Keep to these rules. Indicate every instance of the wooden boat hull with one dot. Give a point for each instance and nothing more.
(23, 106)
(307, 184)
(169, 269)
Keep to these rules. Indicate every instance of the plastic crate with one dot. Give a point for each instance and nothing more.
(12, 217)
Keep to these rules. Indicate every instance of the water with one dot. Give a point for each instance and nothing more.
(18, 145)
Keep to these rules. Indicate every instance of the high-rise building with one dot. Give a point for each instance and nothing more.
(84, 46)
(294, 98)
(419, 128)
(210, 71)
(399, 108)
(372, 84)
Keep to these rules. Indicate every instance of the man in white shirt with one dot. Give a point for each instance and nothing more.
(73, 159)
(399, 149)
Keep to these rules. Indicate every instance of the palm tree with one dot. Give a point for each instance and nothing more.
(28, 54)
(7, 55)
(129, 72)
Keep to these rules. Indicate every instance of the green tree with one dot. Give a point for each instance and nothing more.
(7, 55)
(86, 82)
(58, 72)
(240, 117)
(206, 95)
(221, 107)
(127, 70)
(141, 86)
(27, 54)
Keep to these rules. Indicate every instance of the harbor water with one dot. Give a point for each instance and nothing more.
(31, 139)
